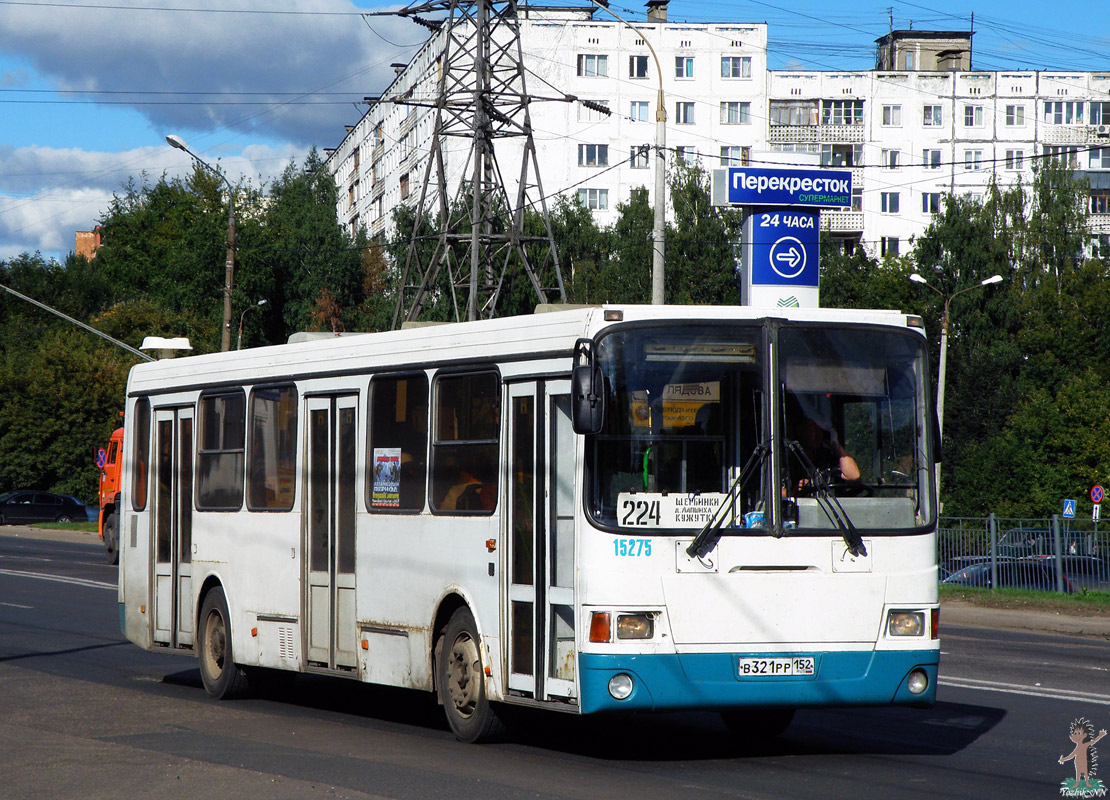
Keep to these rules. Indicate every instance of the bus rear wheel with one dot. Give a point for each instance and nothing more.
(222, 677)
(111, 539)
(461, 682)
(757, 724)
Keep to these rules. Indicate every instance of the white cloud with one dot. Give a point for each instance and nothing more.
(204, 52)
(80, 185)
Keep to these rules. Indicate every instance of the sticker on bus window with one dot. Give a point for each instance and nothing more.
(387, 477)
(671, 510)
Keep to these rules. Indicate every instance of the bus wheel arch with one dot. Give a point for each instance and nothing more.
(460, 677)
(223, 679)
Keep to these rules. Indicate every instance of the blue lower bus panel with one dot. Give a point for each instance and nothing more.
(715, 680)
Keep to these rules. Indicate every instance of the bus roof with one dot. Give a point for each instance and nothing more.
(551, 334)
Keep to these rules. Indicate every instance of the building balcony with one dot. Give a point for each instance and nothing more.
(841, 221)
(816, 133)
(1076, 134)
(1098, 223)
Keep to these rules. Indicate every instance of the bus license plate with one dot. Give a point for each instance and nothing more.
(779, 667)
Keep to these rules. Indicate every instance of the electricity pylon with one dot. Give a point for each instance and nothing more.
(481, 97)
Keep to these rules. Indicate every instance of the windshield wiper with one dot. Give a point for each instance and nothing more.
(828, 501)
(710, 534)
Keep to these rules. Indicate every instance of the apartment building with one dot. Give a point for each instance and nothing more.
(931, 126)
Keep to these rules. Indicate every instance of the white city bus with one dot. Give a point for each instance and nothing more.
(599, 509)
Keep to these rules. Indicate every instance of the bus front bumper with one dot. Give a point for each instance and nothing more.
(666, 682)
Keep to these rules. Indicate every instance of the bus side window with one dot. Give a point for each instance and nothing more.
(219, 483)
(397, 443)
(465, 446)
(141, 453)
(272, 470)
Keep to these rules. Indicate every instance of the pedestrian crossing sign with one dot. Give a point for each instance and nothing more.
(1069, 509)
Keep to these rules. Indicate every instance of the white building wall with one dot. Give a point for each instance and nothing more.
(989, 124)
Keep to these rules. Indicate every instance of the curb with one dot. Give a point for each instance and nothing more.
(959, 613)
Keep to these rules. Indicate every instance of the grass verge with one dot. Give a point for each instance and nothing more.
(84, 527)
(1082, 603)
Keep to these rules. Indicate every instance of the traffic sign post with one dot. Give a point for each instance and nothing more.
(1069, 509)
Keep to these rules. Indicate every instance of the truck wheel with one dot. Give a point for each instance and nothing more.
(462, 685)
(222, 677)
(111, 539)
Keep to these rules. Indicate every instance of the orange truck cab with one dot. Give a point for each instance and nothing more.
(110, 460)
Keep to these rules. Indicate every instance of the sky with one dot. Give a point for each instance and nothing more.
(89, 89)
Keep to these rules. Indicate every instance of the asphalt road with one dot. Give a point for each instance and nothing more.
(85, 713)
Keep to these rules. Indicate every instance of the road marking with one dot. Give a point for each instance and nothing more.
(60, 579)
(15, 605)
(1028, 691)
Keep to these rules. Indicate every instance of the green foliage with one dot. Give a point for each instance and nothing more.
(701, 256)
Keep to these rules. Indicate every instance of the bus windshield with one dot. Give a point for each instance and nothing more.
(687, 430)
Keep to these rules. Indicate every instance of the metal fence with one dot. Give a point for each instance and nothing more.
(1055, 554)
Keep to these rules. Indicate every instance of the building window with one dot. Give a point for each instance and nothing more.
(593, 66)
(684, 113)
(841, 112)
(932, 116)
(397, 443)
(794, 112)
(736, 113)
(892, 116)
(910, 62)
(637, 67)
(930, 202)
(1062, 154)
(272, 471)
(684, 66)
(1015, 159)
(973, 160)
(841, 155)
(686, 153)
(973, 116)
(1015, 116)
(593, 155)
(404, 186)
(220, 439)
(888, 246)
(594, 199)
(1100, 113)
(638, 111)
(1063, 112)
(857, 198)
(639, 157)
(465, 442)
(736, 66)
(930, 159)
(889, 202)
(1100, 201)
(1099, 158)
(735, 156)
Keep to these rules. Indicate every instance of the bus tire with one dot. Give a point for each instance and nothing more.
(223, 679)
(461, 682)
(111, 539)
(757, 724)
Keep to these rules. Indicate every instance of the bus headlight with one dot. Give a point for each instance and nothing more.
(905, 623)
(620, 686)
(635, 626)
(917, 682)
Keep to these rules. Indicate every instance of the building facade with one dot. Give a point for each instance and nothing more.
(909, 135)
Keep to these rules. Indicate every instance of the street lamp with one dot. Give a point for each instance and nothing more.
(239, 338)
(944, 346)
(658, 228)
(229, 266)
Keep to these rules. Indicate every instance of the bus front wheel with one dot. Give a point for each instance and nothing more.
(222, 677)
(461, 682)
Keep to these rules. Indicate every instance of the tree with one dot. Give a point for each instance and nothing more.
(701, 260)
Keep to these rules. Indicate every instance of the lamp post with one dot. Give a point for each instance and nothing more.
(239, 338)
(658, 234)
(944, 346)
(229, 265)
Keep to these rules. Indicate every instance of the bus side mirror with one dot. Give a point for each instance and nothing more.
(587, 390)
(587, 386)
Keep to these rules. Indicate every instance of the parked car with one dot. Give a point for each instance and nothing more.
(1012, 574)
(21, 507)
(1090, 572)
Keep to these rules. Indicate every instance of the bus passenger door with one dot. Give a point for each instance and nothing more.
(330, 527)
(542, 654)
(172, 528)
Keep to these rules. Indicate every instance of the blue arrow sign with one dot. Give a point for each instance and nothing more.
(1069, 509)
(784, 247)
